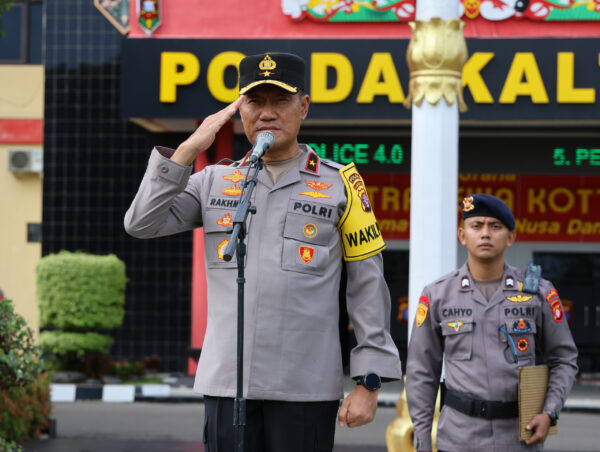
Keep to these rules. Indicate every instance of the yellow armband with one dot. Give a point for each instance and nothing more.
(361, 236)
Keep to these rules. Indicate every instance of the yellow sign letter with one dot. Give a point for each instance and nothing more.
(319, 63)
(566, 93)
(524, 64)
(171, 76)
(381, 79)
(215, 76)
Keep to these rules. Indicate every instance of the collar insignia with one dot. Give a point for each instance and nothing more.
(312, 163)
(465, 283)
(510, 282)
(520, 298)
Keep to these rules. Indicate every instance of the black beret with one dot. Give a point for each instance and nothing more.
(280, 69)
(483, 205)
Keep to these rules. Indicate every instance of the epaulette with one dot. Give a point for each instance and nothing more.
(446, 277)
(531, 282)
(335, 165)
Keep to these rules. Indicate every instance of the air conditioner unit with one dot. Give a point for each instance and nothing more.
(25, 160)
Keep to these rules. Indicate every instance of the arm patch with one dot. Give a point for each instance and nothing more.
(360, 233)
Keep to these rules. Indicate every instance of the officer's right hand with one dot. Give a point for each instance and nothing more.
(205, 134)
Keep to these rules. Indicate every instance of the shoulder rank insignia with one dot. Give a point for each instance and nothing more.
(306, 253)
(519, 298)
(422, 309)
(312, 163)
(359, 230)
(316, 185)
(554, 301)
(521, 326)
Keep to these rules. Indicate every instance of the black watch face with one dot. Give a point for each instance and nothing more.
(372, 381)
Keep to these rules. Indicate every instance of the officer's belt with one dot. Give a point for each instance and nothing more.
(487, 409)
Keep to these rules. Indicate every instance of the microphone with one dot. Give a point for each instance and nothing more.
(264, 142)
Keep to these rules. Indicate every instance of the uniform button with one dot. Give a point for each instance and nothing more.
(164, 170)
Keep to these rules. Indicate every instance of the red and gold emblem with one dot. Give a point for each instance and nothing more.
(471, 8)
(267, 65)
(468, 204)
(310, 230)
(235, 177)
(522, 344)
(234, 190)
(221, 248)
(554, 301)
(422, 309)
(225, 221)
(316, 185)
(315, 194)
(306, 253)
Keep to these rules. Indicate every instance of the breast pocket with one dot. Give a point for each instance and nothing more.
(216, 222)
(305, 244)
(458, 339)
(522, 332)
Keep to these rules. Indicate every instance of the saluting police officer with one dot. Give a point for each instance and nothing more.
(487, 325)
(312, 215)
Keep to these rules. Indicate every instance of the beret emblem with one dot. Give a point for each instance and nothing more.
(468, 204)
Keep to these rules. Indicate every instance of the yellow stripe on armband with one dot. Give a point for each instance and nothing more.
(360, 233)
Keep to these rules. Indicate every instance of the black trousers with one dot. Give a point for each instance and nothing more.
(271, 426)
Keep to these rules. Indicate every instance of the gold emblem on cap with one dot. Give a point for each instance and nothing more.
(468, 204)
(267, 63)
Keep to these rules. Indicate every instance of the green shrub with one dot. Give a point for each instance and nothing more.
(25, 411)
(65, 343)
(19, 357)
(79, 291)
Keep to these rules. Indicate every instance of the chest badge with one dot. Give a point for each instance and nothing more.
(306, 253)
(522, 345)
(234, 190)
(310, 230)
(521, 326)
(235, 177)
(456, 325)
(422, 309)
(225, 221)
(316, 185)
(315, 194)
(519, 298)
(221, 248)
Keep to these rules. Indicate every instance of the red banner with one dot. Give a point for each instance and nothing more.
(546, 208)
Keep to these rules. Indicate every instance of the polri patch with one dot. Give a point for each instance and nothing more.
(306, 253)
(554, 301)
(522, 344)
(359, 230)
(422, 309)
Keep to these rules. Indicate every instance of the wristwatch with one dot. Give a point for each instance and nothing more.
(370, 381)
(553, 417)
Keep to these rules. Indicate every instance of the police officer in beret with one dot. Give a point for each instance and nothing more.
(313, 217)
(487, 319)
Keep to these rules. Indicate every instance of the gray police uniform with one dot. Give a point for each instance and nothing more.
(481, 362)
(295, 246)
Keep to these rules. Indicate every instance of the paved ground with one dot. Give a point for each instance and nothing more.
(174, 427)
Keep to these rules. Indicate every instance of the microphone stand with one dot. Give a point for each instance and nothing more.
(238, 234)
